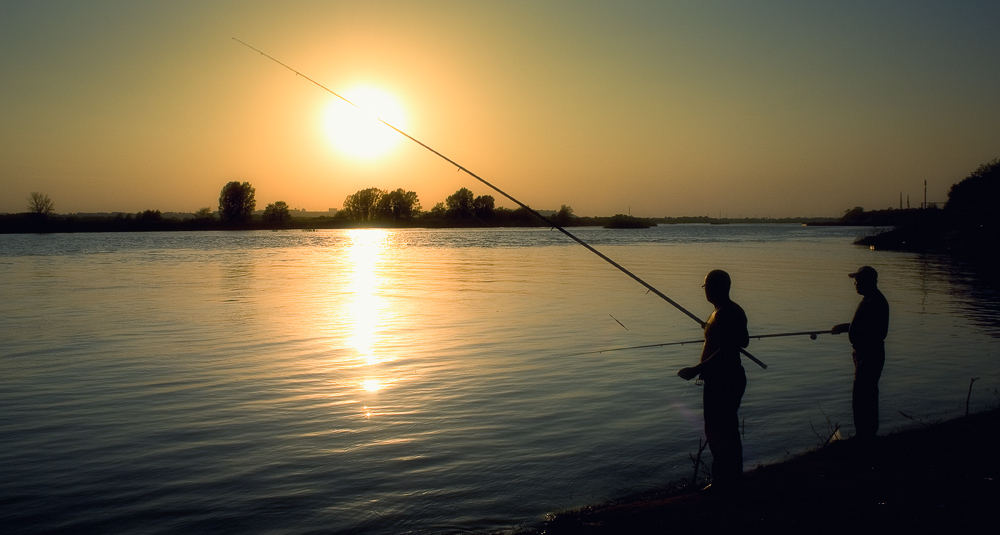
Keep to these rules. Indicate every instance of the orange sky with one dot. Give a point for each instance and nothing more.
(658, 108)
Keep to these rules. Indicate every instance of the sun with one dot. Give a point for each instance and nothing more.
(356, 130)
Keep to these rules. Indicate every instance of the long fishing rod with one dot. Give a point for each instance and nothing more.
(462, 168)
(811, 334)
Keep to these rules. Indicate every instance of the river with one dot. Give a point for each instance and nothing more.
(431, 381)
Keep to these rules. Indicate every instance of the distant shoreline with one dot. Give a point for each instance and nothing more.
(119, 222)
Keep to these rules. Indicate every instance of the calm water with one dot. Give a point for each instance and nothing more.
(428, 381)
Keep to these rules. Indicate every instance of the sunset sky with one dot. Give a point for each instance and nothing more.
(661, 108)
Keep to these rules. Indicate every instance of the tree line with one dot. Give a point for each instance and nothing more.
(237, 208)
(968, 225)
(374, 205)
(969, 210)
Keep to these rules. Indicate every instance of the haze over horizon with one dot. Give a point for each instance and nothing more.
(675, 108)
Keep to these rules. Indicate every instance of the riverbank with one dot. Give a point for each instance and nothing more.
(150, 221)
(938, 477)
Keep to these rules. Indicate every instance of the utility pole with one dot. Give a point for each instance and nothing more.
(925, 194)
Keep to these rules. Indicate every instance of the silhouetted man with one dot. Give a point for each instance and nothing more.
(867, 333)
(725, 380)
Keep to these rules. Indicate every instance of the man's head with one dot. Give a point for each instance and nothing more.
(717, 284)
(865, 279)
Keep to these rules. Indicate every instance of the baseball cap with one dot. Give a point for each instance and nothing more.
(864, 272)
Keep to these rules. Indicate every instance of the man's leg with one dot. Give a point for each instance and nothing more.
(864, 397)
(722, 428)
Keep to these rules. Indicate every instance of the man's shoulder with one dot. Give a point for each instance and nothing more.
(733, 308)
(731, 311)
(877, 298)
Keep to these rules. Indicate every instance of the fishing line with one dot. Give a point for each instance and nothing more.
(460, 167)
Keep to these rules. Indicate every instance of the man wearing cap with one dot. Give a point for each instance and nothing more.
(725, 380)
(866, 333)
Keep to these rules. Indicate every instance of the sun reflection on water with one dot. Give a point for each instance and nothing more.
(365, 255)
(367, 307)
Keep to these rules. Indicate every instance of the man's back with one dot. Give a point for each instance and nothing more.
(871, 321)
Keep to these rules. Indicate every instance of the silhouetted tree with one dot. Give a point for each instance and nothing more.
(40, 203)
(362, 206)
(149, 216)
(399, 205)
(482, 207)
(523, 216)
(438, 212)
(460, 204)
(204, 214)
(976, 195)
(277, 213)
(564, 216)
(236, 202)
(854, 215)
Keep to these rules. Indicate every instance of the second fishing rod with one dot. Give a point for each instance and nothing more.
(547, 221)
(811, 334)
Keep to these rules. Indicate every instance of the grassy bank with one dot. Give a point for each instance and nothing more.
(936, 478)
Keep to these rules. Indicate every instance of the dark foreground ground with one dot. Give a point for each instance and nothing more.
(940, 478)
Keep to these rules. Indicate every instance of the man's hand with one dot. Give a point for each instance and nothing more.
(687, 373)
(841, 328)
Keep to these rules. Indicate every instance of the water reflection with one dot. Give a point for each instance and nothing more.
(237, 282)
(364, 254)
(976, 284)
(367, 307)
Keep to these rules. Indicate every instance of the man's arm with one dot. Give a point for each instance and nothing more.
(840, 328)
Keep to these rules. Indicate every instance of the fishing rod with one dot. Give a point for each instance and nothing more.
(462, 168)
(811, 334)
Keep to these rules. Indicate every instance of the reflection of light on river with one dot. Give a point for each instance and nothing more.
(366, 305)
